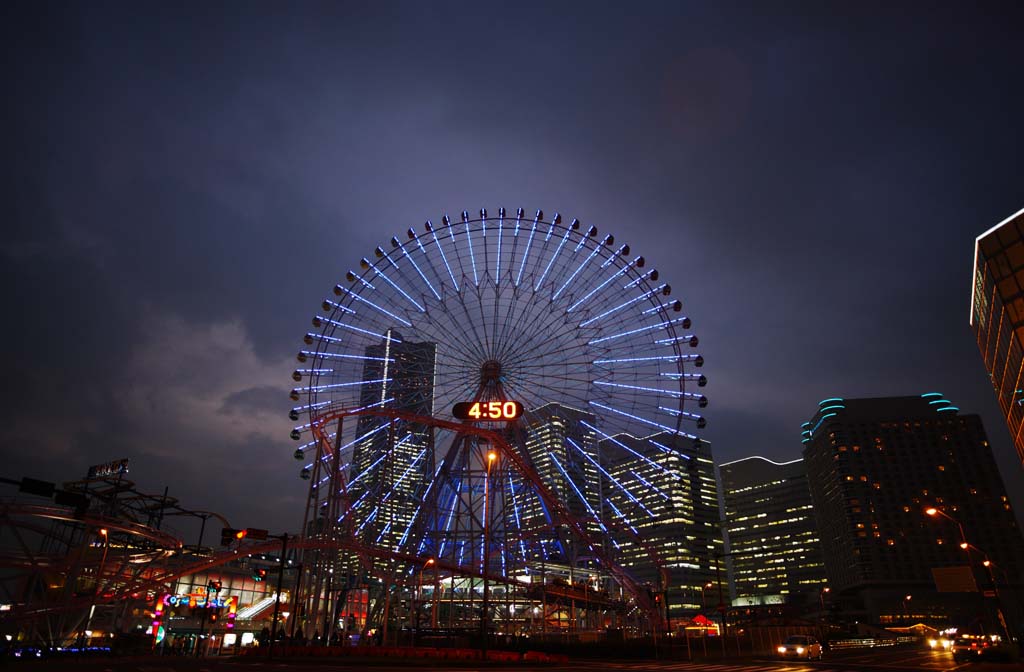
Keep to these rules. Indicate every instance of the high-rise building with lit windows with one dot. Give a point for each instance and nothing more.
(774, 551)
(663, 496)
(875, 466)
(397, 374)
(561, 447)
(997, 317)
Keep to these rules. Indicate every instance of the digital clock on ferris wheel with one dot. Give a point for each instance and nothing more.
(487, 410)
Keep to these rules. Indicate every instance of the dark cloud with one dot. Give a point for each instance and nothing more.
(182, 184)
(267, 398)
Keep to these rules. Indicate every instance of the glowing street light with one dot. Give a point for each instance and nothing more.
(491, 457)
(932, 511)
(703, 603)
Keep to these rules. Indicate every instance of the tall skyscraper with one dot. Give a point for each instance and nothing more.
(875, 466)
(662, 491)
(398, 375)
(772, 534)
(561, 447)
(997, 316)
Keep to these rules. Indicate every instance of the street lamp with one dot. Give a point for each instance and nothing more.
(989, 566)
(492, 456)
(906, 609)
(99, 576)
(932, 511)
(419, 592)
(703, 601)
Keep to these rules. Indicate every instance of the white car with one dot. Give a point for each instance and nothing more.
(800, 646)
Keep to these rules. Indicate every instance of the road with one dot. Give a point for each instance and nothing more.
(858, 660)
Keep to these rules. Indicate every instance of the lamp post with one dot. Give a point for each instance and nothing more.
(906, 608)
(821, 614)
(703, 600)
(99, 576)
(277, 600)
(491, 458)
(932, 511)
(989, 565)
(419, 593)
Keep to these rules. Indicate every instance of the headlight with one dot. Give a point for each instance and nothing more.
(799, 649)
(932, 643)
(782, 649)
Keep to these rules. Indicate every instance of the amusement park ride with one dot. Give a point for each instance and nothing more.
(476, 408)
(436, 396)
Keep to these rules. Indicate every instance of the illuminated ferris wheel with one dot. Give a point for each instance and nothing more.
(549, 338)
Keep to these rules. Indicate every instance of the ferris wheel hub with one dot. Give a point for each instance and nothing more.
(490, 371)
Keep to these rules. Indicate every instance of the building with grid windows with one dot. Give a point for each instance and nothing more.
(668, 498)
(774, 551)
(997, 317)
(397, 374)
(875, 467)
(561, 447)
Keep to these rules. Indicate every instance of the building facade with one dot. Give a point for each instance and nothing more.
(774, 550)
(393, 461)
(560, 444)
(997, 317)
(662, 490)
(875, 468)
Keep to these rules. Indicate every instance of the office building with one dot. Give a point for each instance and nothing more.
(397, 374)
(774, 551)
(997, 317)
(875, 466)
(561, 447)
(662, 493)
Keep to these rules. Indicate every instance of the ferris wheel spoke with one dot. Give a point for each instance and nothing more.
(439, 331)
(608, 281)
(440, 249)
(565, 237)
(469, 246)
(513, 321)
(525, 335)
(543, 344)
(579, 268)
(471, 321)
(529, 244)
(380, 274)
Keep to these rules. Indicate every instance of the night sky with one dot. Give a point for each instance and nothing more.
(182, 185)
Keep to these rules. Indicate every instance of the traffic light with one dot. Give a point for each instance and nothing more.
(215, 586)
(259, 574)
(229, 534)
(256, 533)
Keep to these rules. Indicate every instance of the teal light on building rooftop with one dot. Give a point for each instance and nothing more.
(830, 400)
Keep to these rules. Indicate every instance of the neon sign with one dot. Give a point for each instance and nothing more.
(198, 600)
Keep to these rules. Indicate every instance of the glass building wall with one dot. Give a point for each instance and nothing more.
(997, 317)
